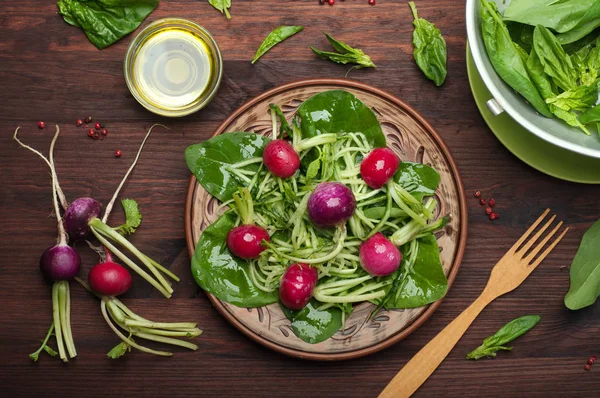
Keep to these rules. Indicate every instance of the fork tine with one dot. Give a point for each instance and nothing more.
(535, 237)
(529, 231)
(541, 245)
(549, 249)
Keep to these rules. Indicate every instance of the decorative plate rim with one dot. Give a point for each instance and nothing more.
(462, 225)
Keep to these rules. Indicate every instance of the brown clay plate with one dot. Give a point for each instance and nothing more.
(412, 138)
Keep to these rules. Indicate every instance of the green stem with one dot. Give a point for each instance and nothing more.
(166, 340)
(161, 325)
(34, 356)
(244, 205)
(163, 269)
(56, 317)
(66, 321)
(131, 264)
(116, 313)
(127, 340)
(108, 232)
(189, 333)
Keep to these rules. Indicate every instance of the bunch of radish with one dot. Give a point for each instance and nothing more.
(61, 263)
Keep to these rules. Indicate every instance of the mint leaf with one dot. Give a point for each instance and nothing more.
(133, 217)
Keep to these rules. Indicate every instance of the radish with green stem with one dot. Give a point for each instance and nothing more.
(82, 217)
(247, 240)
(112, 278)
(59, 264)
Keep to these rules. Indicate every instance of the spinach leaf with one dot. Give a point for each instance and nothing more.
(506, 334)
(423, 281)
(574, 19)
(418, 179)
(338, 111)
(557, 64)
(210, 161)
(585, 271)
(430, 48)
(312, 325)
(106, 21)
(506, 58)
(220, 273)
(590, 116)
(345, 54)
(275, 37)
(222, 5)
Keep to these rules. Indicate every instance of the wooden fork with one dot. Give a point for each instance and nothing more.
(507, 275)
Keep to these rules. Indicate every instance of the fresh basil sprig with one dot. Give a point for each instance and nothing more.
(430, 48)
(345, 54)
(221, 5)
(275, 37)
(509, 332)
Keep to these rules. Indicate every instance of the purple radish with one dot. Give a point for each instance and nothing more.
(78, 215)
(331, 204)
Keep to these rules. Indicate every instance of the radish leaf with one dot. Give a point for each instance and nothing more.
(133, 217)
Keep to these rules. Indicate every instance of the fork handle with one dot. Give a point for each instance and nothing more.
(426, 361)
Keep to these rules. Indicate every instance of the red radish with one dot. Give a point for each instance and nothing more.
(245, 241)
(379, 256)
(331, 204)
(297, 285)
(378, 167)
(109, 279)
(281, 159)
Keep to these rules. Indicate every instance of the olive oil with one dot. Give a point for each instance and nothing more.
(173, 68)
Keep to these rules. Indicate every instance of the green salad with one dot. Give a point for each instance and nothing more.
(549, 52)
(319, 216)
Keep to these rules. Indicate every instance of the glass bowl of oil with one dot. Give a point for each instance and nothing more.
(173, 67)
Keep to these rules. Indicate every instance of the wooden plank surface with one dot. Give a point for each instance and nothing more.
(49, 71)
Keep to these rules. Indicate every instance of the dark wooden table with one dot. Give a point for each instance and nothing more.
(49, 71)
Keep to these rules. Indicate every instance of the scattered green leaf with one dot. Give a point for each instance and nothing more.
(430, 48)
(506, 334)
(345, 54)
(275, 37)
(106, 21)
(585, 271)
(222, 5)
